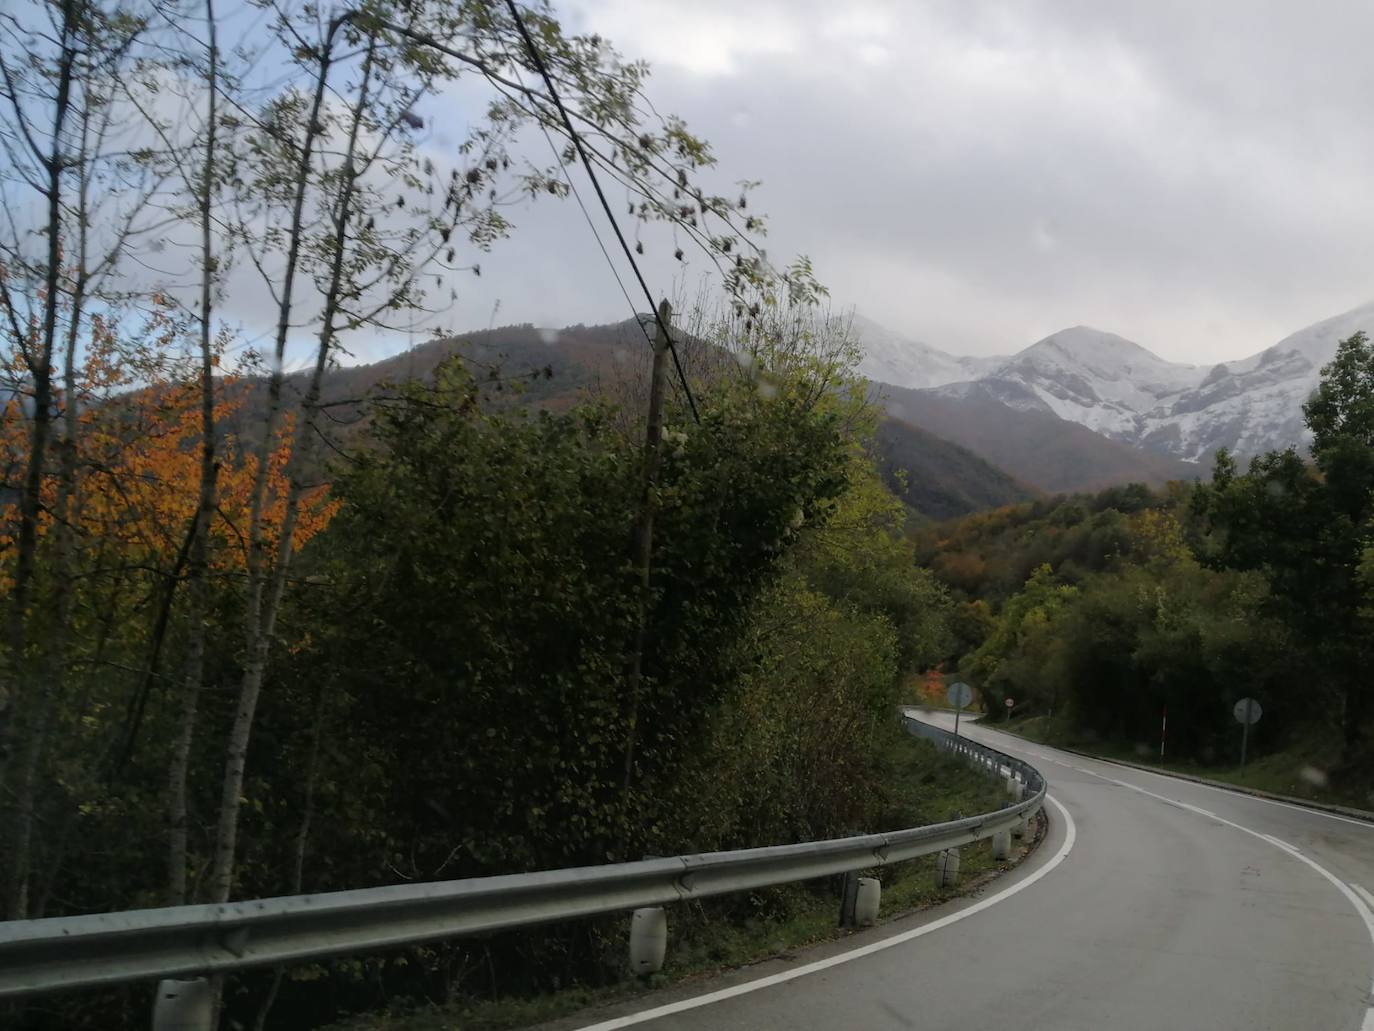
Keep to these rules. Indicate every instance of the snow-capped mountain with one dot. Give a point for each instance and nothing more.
(1098, 379)
(892, 358)
(1254, 404)
(1121, 390)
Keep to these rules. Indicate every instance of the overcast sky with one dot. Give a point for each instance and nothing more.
(1196, 176)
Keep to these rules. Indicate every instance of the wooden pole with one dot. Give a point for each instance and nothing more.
(644, 532)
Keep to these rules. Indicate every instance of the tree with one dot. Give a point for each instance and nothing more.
(1306, 527)
(1020, 635)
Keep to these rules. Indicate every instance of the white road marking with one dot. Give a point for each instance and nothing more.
(1366, 824)
(1198, 809)
(1359, 898)
(1070, 836)
(1362, 909)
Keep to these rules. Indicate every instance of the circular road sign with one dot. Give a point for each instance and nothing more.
(1009, 703)
(959, 694)
(1248, 711)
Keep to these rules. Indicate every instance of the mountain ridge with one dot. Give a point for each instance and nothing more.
(1125, 392)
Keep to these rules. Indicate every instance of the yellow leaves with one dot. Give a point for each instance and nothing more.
(1156, 534)
(138, 470)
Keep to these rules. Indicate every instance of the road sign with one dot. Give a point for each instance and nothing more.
(959, 695)
(1009, 703)
(1247, 711)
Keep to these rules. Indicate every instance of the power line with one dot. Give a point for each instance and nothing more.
(604, 253)
(577, 195)
(605, 205)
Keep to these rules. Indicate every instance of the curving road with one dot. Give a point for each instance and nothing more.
(1153, 903)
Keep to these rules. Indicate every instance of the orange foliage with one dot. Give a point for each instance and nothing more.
(932, 687)
(138, 468)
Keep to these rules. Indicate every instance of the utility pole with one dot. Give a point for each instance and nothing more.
(644, 532)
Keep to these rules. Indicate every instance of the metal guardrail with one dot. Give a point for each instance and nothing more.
(190, 941)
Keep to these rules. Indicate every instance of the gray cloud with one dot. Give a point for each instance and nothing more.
(1193, 176)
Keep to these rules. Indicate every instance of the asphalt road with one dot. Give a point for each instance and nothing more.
(1153, 903)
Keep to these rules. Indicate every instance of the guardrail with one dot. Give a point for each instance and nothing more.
(194, 941)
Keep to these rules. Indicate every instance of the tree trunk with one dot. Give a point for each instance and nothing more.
(40, 367)
(198, 586)
(265, 593)
(302, 840)
(40, 704)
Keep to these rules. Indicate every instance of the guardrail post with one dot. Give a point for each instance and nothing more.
(184, 1006)
(1001, 845)
(947, 868)
(1022, 827)
(648, 940)
(866, 900)
(849, 893)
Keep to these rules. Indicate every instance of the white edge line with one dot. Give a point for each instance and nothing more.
(1233, 792)
(1070, 835)
(1362, 902)
(1362, 910)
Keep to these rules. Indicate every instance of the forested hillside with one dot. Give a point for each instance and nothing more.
(1038, 448)
(540, 369)
(937, 479)
(1107, 610)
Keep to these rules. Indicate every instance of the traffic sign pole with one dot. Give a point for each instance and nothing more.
(1247, 711)
(959, 695)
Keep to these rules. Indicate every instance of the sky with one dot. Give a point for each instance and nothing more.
(1197, 177)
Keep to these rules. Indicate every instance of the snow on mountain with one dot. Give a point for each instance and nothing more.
(1098, 379)
(1254, 404)
(1121, 390)
(892, 358)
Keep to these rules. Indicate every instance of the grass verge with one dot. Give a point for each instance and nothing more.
(1299, 771)
(924, 786)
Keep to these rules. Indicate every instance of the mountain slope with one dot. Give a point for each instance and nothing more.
(940, 479)
(892, 358)
(1090, 377)
(554, 369)
(1254, 404)
(1037, 447)
(1106, 383)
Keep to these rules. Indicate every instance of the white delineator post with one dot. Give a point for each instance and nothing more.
(184, 1005)
(947, 868)
(648, 940)
(1001, 845)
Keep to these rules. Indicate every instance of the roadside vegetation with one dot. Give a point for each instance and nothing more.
(920, 785)
(259, 640)
(1098, 615)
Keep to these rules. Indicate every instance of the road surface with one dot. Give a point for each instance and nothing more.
(1153, 903)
